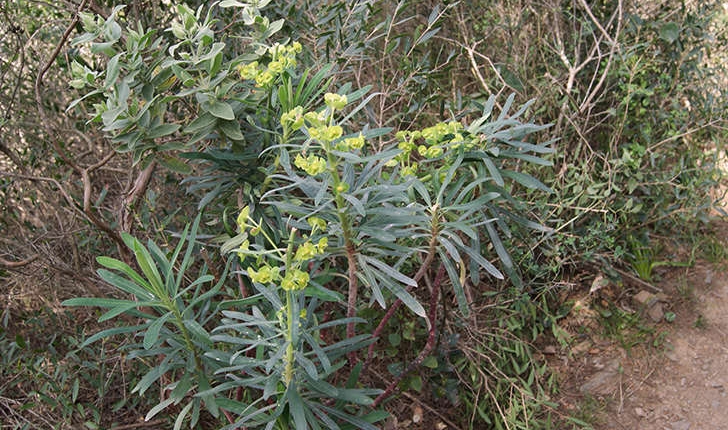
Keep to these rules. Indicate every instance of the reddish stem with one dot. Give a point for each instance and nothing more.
(351, 304)
(380, 328)
(241, 286)
(429, 346)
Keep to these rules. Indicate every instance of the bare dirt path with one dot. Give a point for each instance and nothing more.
(664, 375)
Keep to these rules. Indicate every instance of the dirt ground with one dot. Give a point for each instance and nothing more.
(660, 375)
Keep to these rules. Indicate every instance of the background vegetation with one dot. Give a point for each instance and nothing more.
(634, 93)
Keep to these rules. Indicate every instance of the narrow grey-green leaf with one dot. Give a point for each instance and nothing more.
(113, 312)
(111, 332)
(115, 264)
(198, 331)
(390, 271)
(98, 302)
(295, 404)
(526, 180)
(145, 262)
(152, 334)
(151, 377)
(482, 262)
(457, 286)
(182, 415)
(158, 408)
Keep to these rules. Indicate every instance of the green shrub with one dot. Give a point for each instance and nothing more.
(335, 211)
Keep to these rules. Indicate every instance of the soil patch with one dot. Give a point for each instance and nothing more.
(657, 375)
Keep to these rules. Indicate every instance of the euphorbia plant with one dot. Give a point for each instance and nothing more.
(344, 216)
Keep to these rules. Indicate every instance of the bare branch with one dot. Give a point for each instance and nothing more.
(39, 80)
(15, 264)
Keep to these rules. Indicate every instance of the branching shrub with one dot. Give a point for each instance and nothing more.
(334, 212)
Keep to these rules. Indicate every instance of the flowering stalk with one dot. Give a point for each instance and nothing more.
(288, 372)
(286, 276)
(335, 101)
(322, 129)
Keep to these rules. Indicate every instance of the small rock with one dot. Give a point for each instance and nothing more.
(645, 298)
(680, 425)
(714, 384)
(549, 349)
(655, 312)
(604, 381)
(440, 426)
(598, 283)
(709, 277)
(581, 347)
(417, 414)
(391, 423)
(640, 412)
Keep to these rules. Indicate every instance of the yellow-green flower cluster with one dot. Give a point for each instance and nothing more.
(315, 119)
(248, 71)
(351, 143)
(282, 57)
(293, 118)
(264, 275)
(316, 223)
(410, 170)
(428, 143)
(326, 133)
(312, 164)
(308, 250)
(341, 187)
(443, 132)
(335, 101)
(295, 280)
(289, 277)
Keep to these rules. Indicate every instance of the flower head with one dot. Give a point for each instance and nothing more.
(264, 275)
(312, 164)
(355, 142)
(294, 117)
(323, 243)
(433, 152)
(295, 280)
(335, 101)
(326, 133)
(410, 170)
(316, 223)
(315, 119)
(248, 71)
(264, 78)
(342, 187)
(306, 252)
